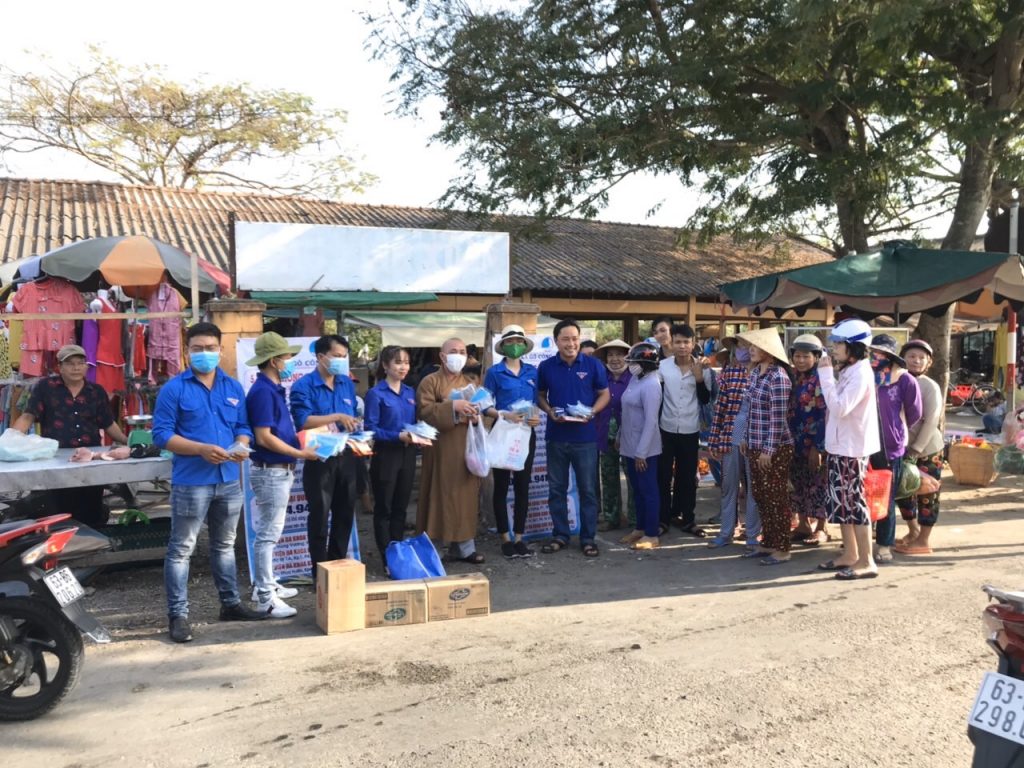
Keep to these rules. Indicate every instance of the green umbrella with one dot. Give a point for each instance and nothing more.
(898, 279)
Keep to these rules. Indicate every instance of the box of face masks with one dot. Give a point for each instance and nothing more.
(396, 603)
(340, 596)
(458, 597)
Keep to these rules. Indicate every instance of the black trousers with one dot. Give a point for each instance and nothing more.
(83, 504)
(678, 453)
(391, 474)
(520, 482)
(330, 488)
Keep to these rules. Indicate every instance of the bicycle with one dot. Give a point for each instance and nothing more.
(967, 388)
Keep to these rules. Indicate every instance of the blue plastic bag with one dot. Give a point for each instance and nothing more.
(414, 558)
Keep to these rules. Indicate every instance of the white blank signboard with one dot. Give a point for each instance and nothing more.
(321, 257)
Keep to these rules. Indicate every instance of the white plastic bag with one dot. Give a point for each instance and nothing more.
(508, 445)
(476, 450)
(17, 446)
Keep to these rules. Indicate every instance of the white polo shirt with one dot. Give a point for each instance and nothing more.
(680, 410)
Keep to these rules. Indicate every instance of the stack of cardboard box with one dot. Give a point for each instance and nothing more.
(344, 601)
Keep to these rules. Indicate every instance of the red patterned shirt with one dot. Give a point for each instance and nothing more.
(72, 421)
(732, 383)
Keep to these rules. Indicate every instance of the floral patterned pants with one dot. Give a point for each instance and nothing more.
(771, 493)
(924, 508)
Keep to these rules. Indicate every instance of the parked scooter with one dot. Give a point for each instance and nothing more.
(41, 618)
(996, 723)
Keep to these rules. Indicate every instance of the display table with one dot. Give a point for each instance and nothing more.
(59, 472)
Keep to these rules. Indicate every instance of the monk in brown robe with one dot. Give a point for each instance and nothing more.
(449, 501)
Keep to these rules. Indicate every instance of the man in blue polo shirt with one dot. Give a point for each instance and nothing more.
(199, 415)
(563, 380)
(272, 472)
(326, 397)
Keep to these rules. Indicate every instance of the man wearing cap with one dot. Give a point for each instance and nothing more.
(510, 381)
(273, 463)
(200, 417)
(72, 411)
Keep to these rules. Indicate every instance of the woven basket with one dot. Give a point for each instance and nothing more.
(971, 465)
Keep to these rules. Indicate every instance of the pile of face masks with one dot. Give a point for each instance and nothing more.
(422, 433)
(481, 397)
(580, 411)
(524, 408)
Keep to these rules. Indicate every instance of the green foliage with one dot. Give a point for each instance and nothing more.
(147, 129)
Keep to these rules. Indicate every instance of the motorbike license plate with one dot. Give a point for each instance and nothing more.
(999, 707)
(64, 586)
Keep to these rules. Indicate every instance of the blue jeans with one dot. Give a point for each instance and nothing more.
(734, 469)
(645, 488)
(583, 459)
(220, 506)
(271, 487)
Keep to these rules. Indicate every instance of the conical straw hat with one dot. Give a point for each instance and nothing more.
(768, 340)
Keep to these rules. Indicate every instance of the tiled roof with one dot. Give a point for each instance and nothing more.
(573, 256)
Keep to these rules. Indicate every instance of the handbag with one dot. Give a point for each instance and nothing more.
(879, 460)
(877, 487)
(508, 445)
(413, 558)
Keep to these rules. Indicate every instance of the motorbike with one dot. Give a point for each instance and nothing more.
(42, 619)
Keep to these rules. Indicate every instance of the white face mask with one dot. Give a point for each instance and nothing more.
(455, 363)
(636, 369)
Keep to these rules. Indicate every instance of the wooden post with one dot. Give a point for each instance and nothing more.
(195, 287)
(691, 312)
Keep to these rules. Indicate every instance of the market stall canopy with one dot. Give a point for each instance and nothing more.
(432, 329)
(339, 299)
(898, 279)
(25, 269)
(131, 262)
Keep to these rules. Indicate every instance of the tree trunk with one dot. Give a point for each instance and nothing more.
(978, 170)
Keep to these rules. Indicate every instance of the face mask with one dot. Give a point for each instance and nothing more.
(515, 351)
(338, 366)
(288, 370)
(455, 363)
(636, 369)
(742, 354)
(204, 362)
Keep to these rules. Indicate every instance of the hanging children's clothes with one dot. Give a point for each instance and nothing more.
(110, 351)
(49, 295)
(165, 332)
(137, 339)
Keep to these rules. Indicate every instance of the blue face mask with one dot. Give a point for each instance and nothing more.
(289, 369)
(338, 366)
(204, 362)
(742, 354)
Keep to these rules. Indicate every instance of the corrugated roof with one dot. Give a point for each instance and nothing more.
(572, 256)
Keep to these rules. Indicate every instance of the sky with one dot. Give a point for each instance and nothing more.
(316, 48)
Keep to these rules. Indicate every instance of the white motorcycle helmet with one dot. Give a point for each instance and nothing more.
(850, 331)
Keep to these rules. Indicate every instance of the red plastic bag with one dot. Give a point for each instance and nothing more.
(877, 487)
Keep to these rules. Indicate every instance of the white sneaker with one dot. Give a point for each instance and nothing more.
(275, 608)
(280, 590)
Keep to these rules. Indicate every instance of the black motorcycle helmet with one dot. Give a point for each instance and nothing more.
(643, 354)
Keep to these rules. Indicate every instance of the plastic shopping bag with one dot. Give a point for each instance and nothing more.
(17, 446)
(877, 487)
(413, 558)
(476, 450)
(508, 445)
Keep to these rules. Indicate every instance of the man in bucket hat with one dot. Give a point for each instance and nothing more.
(272, 472)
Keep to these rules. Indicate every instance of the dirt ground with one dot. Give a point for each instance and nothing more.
(685, 656)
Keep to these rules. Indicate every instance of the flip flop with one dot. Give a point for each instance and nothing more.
(555, 545)
(832, 565)
(773, 560)
(755, 553)
(719, 543)
(848, 574)
(912, 550)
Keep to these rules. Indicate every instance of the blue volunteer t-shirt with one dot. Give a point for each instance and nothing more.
(267, 407)
(387, 411)
(507, 387)
(566, 385)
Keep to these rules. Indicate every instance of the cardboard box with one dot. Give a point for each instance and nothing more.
(458, 597)
(395, 603)
(340, 596)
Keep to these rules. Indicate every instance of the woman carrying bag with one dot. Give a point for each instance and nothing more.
(851, 436)
(899, 407)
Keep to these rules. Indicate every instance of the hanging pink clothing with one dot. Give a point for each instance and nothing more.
(110, 351)
(52, 295)
(138, 342)
(165, 332)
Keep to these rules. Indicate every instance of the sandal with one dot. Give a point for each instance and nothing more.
(646, 542)
(555, 545)
(632, 536)
(475, 559)
(694, 530)
(816, 539)
(590, 550)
